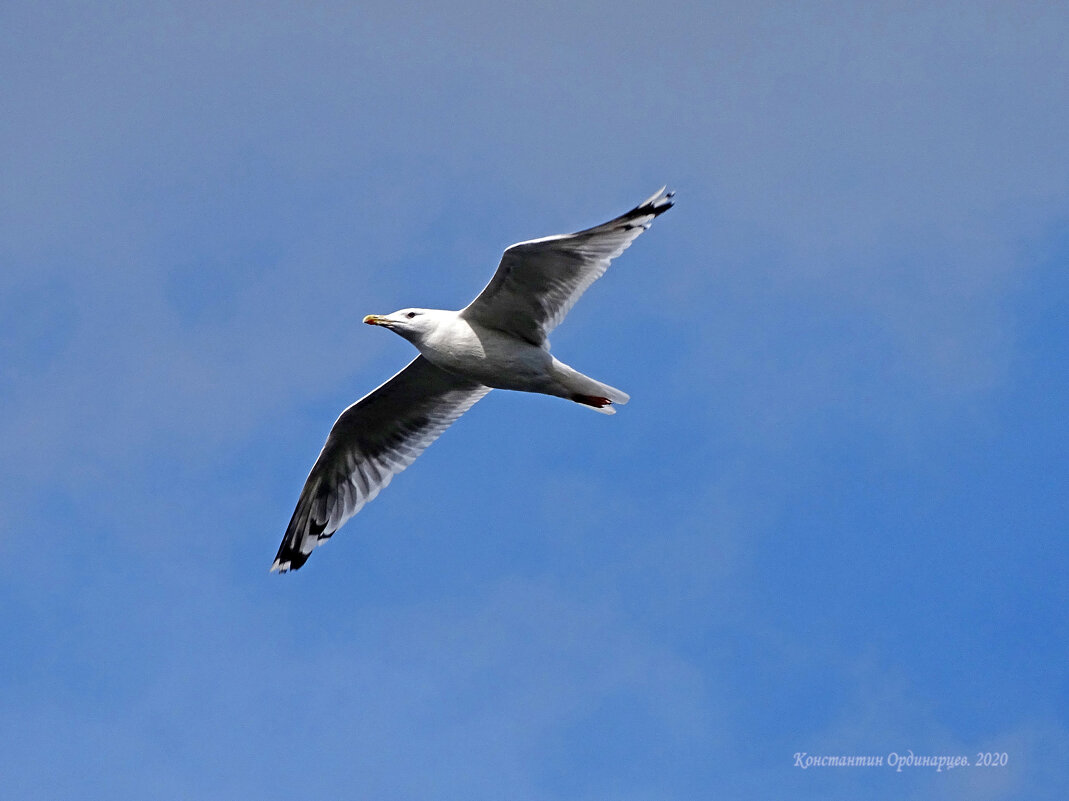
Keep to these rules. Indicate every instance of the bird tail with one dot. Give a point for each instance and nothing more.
(585, 390)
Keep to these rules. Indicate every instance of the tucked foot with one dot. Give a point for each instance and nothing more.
(596, 401)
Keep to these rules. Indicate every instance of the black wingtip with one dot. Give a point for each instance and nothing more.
(290, 556)
(288, 559)
(301, 529)
(656, 205)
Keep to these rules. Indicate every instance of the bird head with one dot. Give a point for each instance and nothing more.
(409, 323)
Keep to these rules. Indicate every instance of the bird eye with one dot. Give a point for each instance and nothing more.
(410, 315)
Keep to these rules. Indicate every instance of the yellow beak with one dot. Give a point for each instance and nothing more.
(374, 319)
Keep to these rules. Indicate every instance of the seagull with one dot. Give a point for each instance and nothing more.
(498, 341)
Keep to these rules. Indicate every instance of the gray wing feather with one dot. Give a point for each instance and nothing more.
(538, 282)
(373, 440)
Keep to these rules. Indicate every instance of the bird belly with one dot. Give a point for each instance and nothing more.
(492, 358)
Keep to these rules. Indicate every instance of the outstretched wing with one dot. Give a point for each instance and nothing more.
(373, 440)
(539, 281)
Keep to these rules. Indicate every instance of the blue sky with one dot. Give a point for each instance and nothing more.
(830, 521)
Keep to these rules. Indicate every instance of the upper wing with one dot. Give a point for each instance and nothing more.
(538, 281)
(378, 436)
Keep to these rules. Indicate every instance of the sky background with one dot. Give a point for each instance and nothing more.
(831, 520)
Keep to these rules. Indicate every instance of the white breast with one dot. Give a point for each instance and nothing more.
(490, 357)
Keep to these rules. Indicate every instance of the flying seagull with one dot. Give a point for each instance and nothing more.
(498, 341)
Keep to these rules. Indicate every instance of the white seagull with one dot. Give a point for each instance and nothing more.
(498, 341)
